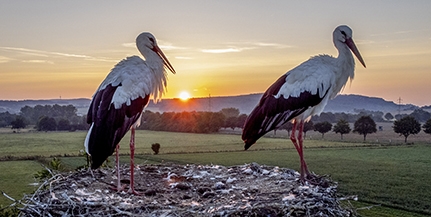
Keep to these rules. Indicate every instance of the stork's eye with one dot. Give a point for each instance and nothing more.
(152, 40)
(344, 33)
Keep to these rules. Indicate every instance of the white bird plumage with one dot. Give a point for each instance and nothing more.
(117, 104)
(302, 92)
(137, 80)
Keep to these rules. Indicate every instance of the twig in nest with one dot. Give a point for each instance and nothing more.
(10, 198)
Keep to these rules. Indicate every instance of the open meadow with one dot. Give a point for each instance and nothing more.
(385, 173)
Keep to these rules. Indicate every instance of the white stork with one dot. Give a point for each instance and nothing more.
(118, 102)
(303, 92)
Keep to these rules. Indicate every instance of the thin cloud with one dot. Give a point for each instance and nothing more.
(274, 45)
(131, 45)
(245, 45)
(170, 47)
(224, 50)
(42, 53)
(38, 61)
(227, 50)
(165, 45)
(4, 59)
(257, 44)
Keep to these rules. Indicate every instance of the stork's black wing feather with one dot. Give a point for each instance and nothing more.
(110, 124)
(272, 112)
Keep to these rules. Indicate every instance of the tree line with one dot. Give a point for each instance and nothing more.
(193, 122)
(64, 118)
(378, 116)
(406, 126)
(45, 118)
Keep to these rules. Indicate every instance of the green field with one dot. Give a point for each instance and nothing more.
(395, 177)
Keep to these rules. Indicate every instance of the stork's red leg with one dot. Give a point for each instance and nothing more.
(297, 142)
(293, 137)
(117, 166)
(304, 169)
(132, 162)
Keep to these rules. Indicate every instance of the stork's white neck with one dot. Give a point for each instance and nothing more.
(152, 60)
(345, 66)
(155, 63)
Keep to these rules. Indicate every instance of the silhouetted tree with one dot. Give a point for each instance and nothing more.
(194, 122)
(365, 125)
(420, 115)
(63, 124)
(427, 126)
(288, 127)
(18, 123)
(231, 117)
(342, 127)
(230, 122)
(6, 119)
(307, 127)
(323, 127)
(46, 124)
(399, 116)
(327, 116)
(241, 120)
(33, 114)
(230, 112)
(389, 116)
(407, 126)
(204, 122)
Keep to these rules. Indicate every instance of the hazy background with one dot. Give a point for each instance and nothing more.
(53, 49)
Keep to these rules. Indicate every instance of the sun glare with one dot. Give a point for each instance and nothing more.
(184, 96)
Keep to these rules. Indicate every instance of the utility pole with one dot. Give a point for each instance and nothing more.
(209, 102)
(399, 105)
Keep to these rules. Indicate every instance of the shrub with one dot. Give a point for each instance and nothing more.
(155, 147)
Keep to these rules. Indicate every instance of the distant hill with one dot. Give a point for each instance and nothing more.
(354, 103)
(14, 106)
(245, 103)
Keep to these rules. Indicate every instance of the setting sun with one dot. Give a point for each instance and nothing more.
(184, 96)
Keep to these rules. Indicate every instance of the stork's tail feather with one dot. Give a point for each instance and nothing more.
(252, 129)
(97, 146)
(263, 119)
(247, 145)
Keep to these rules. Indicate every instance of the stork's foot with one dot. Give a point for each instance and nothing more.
(118, 188)
(314, 179)
(133, 191)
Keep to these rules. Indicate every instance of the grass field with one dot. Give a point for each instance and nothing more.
(388, 173)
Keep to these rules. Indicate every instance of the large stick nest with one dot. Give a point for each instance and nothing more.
(186, 190)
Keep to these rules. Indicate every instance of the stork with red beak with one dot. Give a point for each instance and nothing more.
(303, 92)
(118, 102)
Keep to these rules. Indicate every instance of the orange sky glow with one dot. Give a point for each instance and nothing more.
(51, 49)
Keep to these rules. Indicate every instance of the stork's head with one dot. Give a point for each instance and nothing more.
(146, 41)
(344, 34)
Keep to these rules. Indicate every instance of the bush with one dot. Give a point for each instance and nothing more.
(155, 147)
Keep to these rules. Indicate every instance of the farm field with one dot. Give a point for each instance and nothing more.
(391, 174)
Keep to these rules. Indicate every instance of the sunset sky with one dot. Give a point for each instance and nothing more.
(52, 49)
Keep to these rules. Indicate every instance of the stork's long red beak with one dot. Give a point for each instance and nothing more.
(355, 50)
(163, 57)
